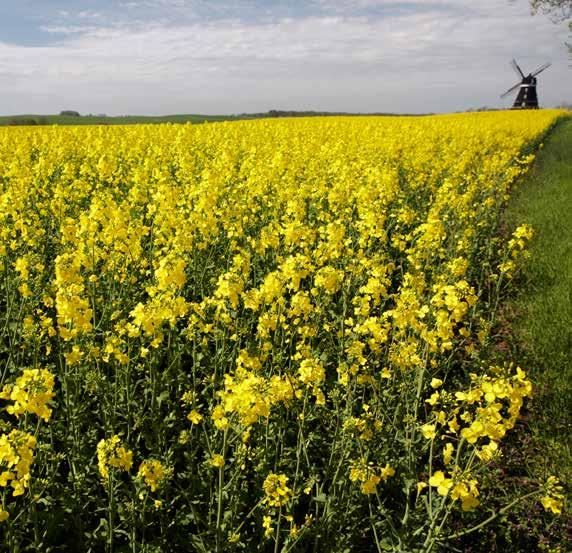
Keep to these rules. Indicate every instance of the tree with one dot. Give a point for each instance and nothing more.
(560, 10)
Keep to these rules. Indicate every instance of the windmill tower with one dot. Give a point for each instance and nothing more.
(526, 97)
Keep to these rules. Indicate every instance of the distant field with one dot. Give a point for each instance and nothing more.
(30, 120)
(104, 120)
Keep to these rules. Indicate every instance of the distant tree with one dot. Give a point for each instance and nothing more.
(19, 121)
(560, 10)
(70, 113)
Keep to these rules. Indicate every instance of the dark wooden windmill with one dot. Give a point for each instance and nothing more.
(526, 97)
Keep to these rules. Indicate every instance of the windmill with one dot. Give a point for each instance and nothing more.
(526, 97)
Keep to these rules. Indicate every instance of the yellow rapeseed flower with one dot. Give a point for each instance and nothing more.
(153, 473)
(217, 460)
(31, 393)
(429, 431)
(276, 489)
(112, 454)
(195, 417)
(441, 482)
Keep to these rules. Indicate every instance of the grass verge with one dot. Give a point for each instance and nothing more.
(542, 311)
(537, 328)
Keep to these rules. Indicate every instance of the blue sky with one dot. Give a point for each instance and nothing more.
(233, 56)
(33, 22)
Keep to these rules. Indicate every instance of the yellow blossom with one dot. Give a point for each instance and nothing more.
(267, 525)
(387, 472)
(217, 461)
(17, 456)
(436, 383)
(428, 431)
(152, 472)
(553, 500)
(195, 417)
(31, 393)
(441, 482)
(111, 453)
(276, 490)
(370, 485)
(448, 453)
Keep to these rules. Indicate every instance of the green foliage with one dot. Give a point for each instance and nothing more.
(560, 9)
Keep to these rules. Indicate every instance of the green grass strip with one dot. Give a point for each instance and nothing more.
(542, 320)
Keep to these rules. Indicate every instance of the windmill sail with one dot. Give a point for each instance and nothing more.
(512, 89)
(517, 68)
(541, 69)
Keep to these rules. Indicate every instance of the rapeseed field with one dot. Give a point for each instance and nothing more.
(257, 336)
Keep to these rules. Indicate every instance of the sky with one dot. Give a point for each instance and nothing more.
(235, 56)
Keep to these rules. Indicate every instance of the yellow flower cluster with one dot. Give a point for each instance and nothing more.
(31, 393)
(251, 395)
(516, 249)
(276, 490)
(16, 457)
(553, 500)
(152, 471)
(369, 476)
(487, 410)
(492, 404)
(217, 461)
(267, 525)
(74, 312)
(460, 487)
(112, 454)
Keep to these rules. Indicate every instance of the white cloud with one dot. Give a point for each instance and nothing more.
(89, 14)
(435, 59)
(68, 29)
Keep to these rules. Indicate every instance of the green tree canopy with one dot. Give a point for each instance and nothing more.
(559, 9)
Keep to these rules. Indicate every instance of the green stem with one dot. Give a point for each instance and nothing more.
(110, 514)
(277, 538)
(492, 517)
(219, 495)
(376, 537)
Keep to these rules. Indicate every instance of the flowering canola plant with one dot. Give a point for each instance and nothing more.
(281, 323)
